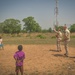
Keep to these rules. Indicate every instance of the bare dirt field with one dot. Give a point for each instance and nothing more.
(40, 60)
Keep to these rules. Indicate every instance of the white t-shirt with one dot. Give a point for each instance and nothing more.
(0, 41)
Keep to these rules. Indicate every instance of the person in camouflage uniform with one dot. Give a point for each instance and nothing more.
(66, 39)
(58, 39)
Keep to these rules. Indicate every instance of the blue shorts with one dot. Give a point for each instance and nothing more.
(1, 45)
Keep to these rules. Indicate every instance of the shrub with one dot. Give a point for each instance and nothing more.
(41, 36)
(53, 37)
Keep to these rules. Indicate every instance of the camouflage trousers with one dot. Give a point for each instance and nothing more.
(59, 44)
(66, 46)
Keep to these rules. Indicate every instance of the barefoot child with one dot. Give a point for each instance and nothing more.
(1, 43)
(19, 56)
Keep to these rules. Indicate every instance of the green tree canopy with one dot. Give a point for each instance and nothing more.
(11, 26)
(31, 25)
(72, 28)
(1, 27)
(50, 29)
(59, 27)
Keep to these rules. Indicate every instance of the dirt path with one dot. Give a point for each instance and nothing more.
(40, 60)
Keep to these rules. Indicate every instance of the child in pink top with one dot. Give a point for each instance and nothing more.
(19, 56)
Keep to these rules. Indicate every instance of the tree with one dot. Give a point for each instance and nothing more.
(59, 27)
(72, 28)
(11, 26)
(44, 30)
(31, 25)
(50, 29)
(1, 27)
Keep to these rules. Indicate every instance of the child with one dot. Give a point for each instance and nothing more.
(19, 56)
(1, 44)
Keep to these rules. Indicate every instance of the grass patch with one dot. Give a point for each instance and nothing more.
(72, 42)
(22, 40)
(46, 38)
(73, 36)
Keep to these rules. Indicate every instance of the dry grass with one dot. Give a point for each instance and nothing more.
(34, 38)
(40, 60)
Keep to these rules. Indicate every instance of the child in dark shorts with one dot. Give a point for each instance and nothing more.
(19, 56)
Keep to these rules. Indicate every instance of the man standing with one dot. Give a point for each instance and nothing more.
(66, 39)
(58, 39)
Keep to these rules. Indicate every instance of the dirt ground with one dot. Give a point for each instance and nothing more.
(40, 60)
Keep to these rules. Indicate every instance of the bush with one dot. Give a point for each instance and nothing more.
(41, 36)
(53, 37)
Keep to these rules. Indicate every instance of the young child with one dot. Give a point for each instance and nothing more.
(19, 56)
(1, 43)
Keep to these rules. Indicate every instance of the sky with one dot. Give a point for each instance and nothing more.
(41, 10)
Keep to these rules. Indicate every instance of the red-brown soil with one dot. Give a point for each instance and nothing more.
(40, 60)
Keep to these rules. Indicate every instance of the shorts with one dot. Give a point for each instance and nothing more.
(1, 45)
(19, 68)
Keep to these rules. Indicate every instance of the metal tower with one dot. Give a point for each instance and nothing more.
(56, 13)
